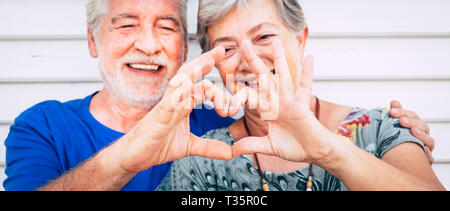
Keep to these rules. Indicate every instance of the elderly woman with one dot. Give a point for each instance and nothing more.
(303, 143)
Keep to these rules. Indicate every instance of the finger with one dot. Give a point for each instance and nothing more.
(257, 66)
(209, 148)
(427, 140)
(400, 112)
(396, 104)
(429, 155)
(245, 97)
(298, 75)
(237, 100)
(179, 95)
(216, 95)
(252, 145)
(175, 83)
(409, 122)
(306, 79)
(200, 66)
(166, 110)
(282, 68)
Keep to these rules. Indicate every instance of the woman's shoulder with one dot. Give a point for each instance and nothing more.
(375, 131)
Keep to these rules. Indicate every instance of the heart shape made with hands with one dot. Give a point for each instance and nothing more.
(164, 134)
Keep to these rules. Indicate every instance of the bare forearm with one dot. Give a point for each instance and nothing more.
(97, 173)
(359, 170)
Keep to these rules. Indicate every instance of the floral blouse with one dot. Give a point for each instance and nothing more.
(371, 130)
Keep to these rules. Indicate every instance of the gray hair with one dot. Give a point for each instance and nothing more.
(212, 11)
(97, 9)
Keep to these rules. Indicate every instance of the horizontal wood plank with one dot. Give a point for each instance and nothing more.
(325, 16)
(334, 57)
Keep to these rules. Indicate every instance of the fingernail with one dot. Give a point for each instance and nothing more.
(231, 110)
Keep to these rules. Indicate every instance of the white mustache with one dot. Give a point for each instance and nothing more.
(136, 58)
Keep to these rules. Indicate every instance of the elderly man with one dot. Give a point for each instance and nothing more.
(124, 136)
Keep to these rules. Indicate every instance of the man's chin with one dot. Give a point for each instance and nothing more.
(141, 102)
(136, 98)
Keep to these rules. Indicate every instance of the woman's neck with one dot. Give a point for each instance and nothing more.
(258, 127)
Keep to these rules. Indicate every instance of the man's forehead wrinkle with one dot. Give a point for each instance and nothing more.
(147, 10)
(123, 15)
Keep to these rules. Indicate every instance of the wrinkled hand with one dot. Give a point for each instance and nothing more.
(419, 128)
(164, 133)
(294, 133)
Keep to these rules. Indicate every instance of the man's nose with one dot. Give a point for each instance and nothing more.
(148, 43)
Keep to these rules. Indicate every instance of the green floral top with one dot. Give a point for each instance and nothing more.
(371, 130)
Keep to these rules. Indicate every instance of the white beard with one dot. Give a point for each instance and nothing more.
(130, 90)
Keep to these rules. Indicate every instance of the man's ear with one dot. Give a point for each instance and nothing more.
(91, 44)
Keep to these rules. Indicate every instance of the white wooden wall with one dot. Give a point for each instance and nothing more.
(367, 52)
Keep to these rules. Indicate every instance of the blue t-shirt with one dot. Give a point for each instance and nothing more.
(51, 138)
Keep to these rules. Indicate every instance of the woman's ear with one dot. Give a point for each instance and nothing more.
(91, 44)
(302, 38)
(185, 53)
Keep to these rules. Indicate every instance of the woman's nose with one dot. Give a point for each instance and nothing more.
(243, 66)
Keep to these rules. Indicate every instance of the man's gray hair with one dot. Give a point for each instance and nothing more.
(97, 9)
(212, 11)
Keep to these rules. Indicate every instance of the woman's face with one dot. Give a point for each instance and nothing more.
(260, 24)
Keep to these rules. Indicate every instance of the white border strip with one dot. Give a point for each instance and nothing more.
(214, 77)
(192, 36)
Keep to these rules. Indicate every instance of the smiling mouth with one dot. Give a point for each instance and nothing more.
(252, 82)
(145, 67)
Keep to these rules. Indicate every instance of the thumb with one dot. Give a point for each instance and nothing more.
(209, 148)
(394, 111)
(250, 145)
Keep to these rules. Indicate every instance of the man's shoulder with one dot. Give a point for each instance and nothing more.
(46, 109)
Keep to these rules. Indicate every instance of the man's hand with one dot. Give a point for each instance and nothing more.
(419, 128)
(164, 134)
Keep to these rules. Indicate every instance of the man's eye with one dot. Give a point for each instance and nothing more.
(127, 26)
(265, 37)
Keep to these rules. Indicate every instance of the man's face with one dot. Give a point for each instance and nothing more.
(140, 47)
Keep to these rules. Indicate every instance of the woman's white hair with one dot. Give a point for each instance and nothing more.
(97, 9)
(212, 11)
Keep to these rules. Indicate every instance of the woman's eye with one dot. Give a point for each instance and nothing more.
(229, 51)
(168, 28)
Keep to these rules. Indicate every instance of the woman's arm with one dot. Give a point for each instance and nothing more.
(404, 167)
(295, 134)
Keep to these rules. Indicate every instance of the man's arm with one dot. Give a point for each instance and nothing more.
(100, 172)
(163, 135)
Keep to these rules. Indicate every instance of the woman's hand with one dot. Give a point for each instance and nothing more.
(294, 132)
(164, 134)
